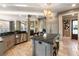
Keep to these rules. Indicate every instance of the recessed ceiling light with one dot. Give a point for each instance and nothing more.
(4, 5)
(21, 5)
(73, 5)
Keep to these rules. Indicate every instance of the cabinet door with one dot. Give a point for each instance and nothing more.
(2, 48)
(6, 42)
(25, 37)
(18, 38)
(22, 37)
(11, 40)
(39, 48)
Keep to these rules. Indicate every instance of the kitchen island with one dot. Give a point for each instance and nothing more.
(45, 46)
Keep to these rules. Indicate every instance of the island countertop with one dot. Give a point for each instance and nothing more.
(49, 39)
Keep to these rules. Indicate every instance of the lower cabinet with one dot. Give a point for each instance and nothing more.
(8, 42)
(21, 38)
(41, 48)
(2, 48)
(18, 38)
(24, 37)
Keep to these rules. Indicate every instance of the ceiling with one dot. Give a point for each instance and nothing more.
(33, 8)
(37, 7)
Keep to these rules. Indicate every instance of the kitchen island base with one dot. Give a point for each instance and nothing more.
(45, 47)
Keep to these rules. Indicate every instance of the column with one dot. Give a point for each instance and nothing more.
(29, 27)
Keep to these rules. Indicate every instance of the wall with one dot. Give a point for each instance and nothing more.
(52, 24)
(55, 27)
(4, 26)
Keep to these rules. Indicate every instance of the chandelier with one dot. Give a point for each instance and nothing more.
(48, 11)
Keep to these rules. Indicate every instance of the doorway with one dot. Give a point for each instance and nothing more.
(74, 29)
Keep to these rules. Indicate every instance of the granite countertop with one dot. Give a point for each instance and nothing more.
(49, 39)
(6, 34)
(18, 32)
(11, 33)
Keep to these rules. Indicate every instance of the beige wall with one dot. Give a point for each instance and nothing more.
(52, 24)
(4, 26)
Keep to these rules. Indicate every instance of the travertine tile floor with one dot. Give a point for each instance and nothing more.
(67, 48)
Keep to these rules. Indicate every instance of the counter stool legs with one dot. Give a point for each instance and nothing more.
(55, 48)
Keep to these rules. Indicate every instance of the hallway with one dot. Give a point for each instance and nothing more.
(67, 48)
